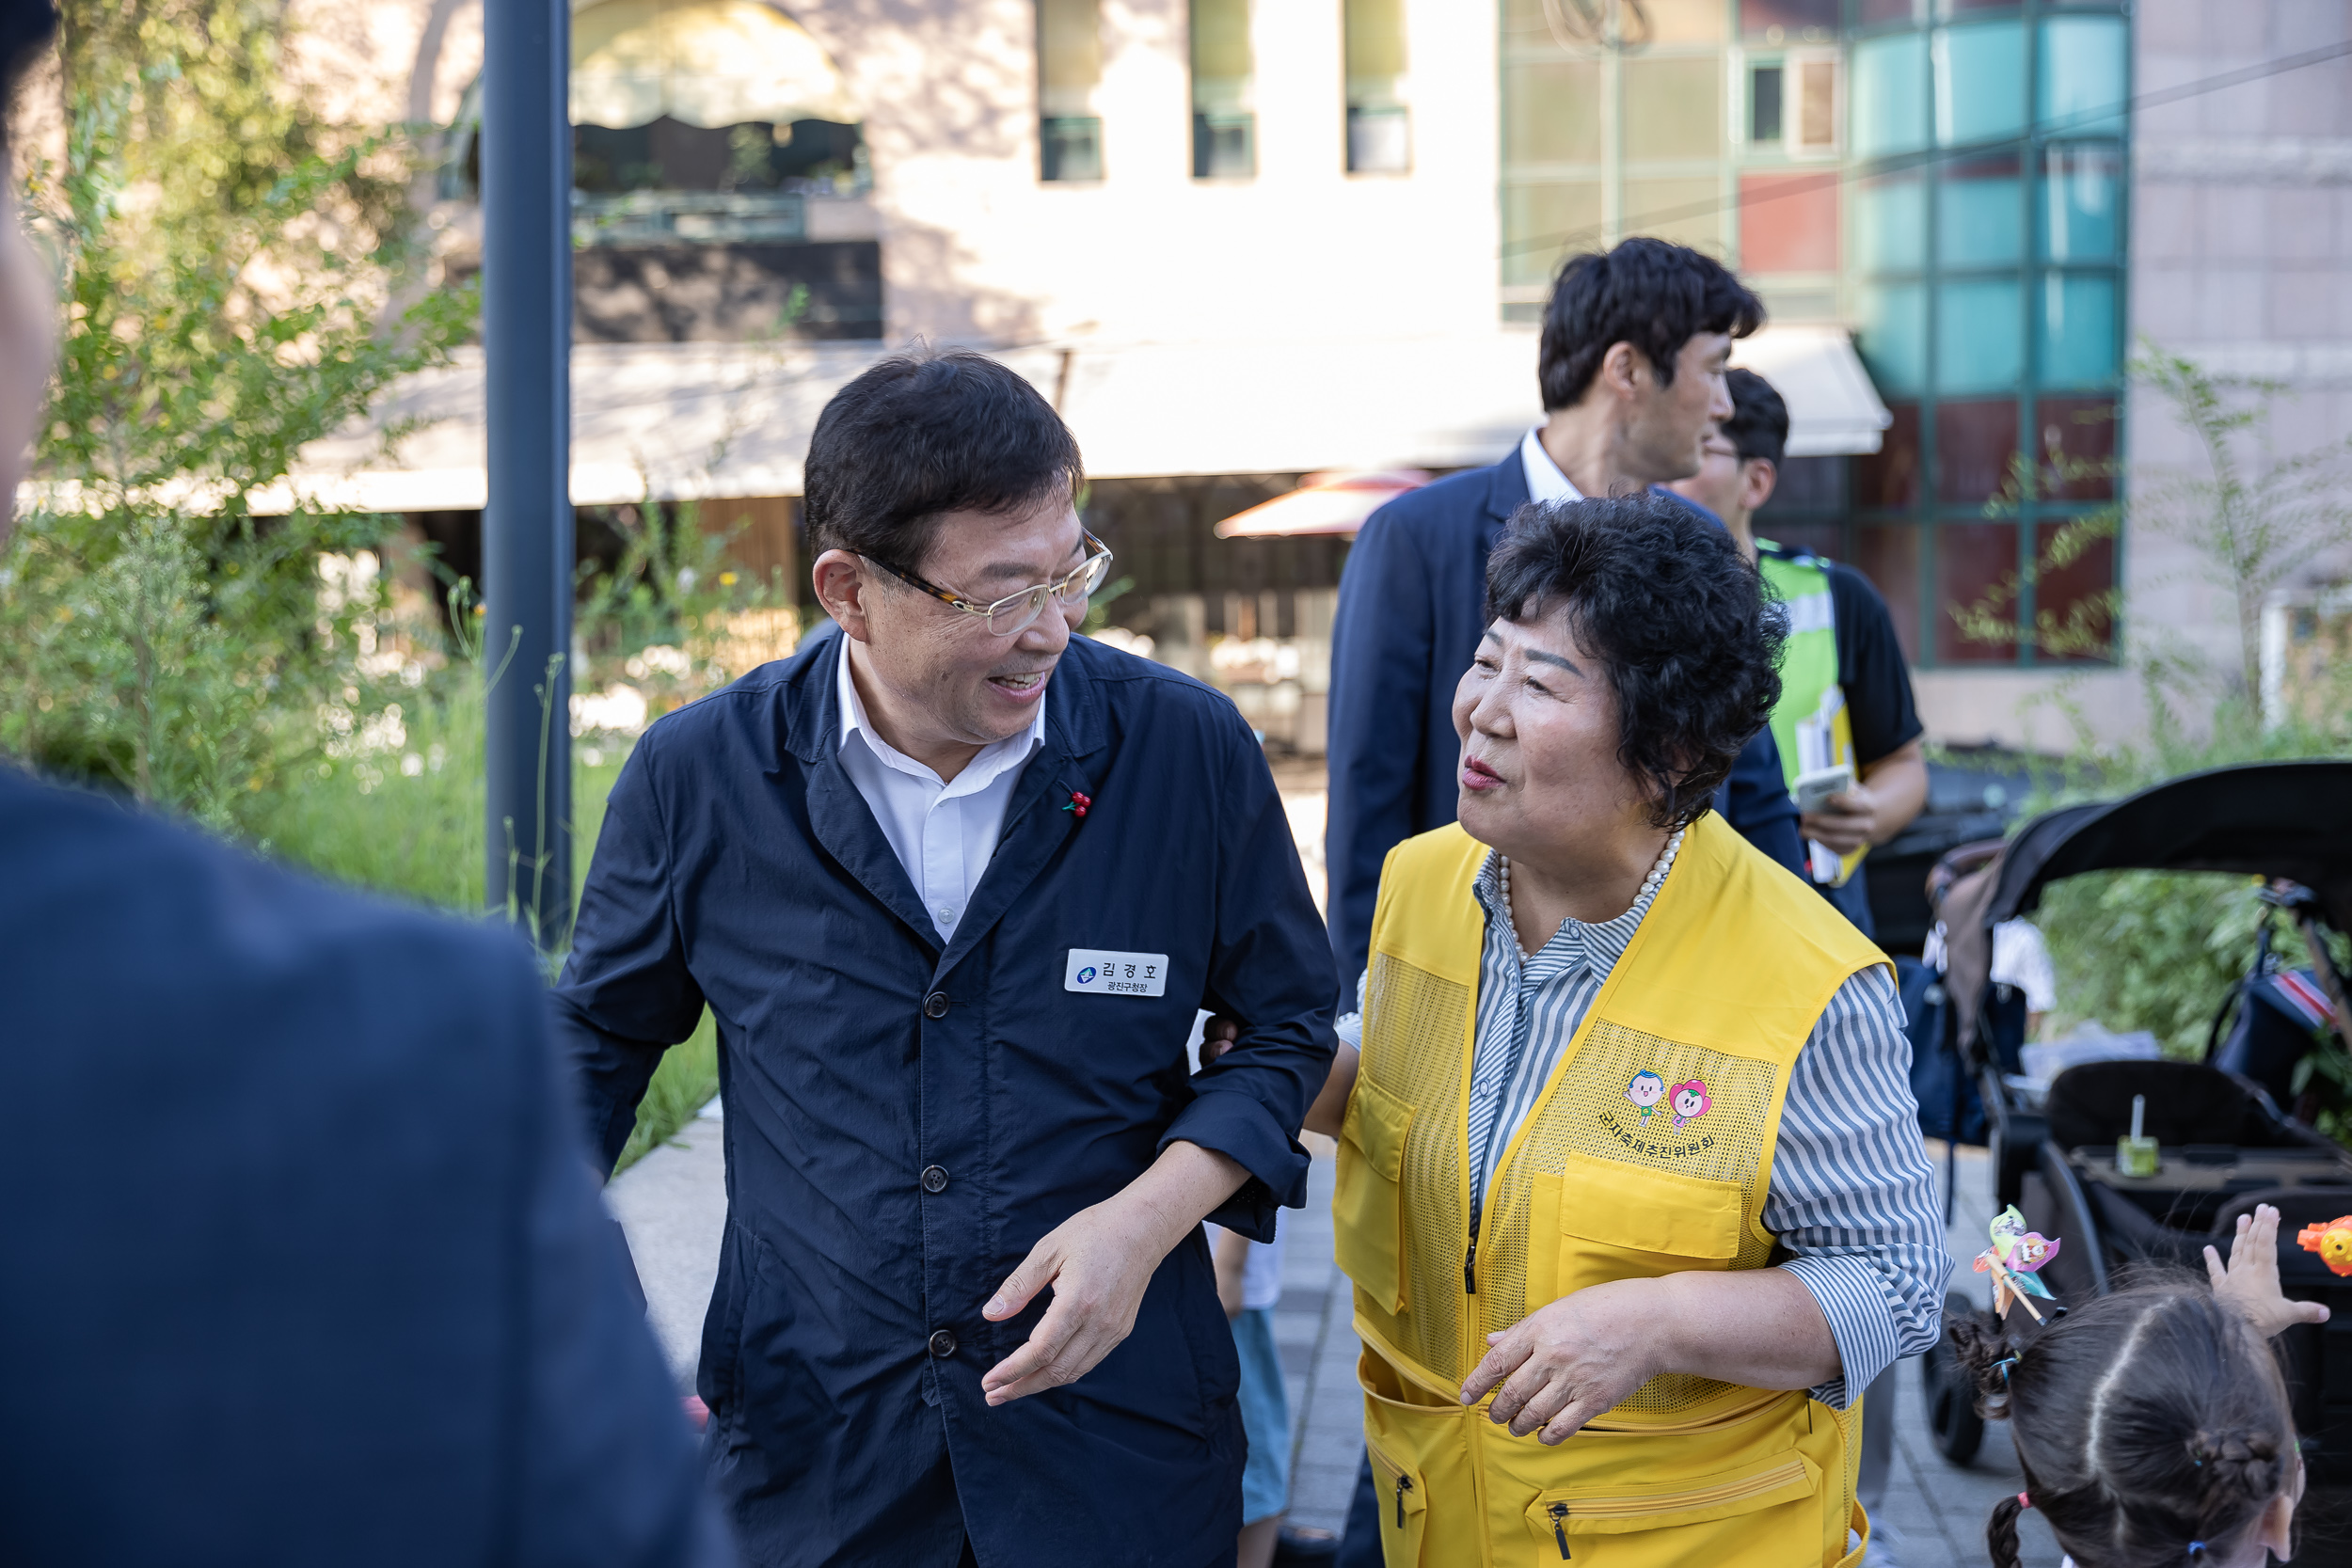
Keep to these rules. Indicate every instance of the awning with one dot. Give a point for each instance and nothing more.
(1323, 503)
(710, 63)
(1833, 407)
(677, 421)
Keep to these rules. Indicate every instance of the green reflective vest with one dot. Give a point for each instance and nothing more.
(1810, 726)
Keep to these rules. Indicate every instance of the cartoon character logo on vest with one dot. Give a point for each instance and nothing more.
(1690, 1102)
(1645, 1091)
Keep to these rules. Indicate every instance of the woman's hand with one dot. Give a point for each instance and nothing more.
(1563, 1364)
(2249, 1283)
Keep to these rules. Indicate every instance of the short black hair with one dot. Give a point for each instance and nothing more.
(1661, 595)
(26, 28)
(1648, 293)
(923, 434)
(1758, 426)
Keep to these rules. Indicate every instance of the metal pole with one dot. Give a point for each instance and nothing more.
(527, 528)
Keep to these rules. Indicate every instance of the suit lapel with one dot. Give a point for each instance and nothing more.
(837, 814)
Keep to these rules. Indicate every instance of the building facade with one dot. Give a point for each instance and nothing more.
(1241, 241)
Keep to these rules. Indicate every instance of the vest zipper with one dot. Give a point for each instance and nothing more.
(1560, 1529)
(1404, 1484)
(1469, 1267)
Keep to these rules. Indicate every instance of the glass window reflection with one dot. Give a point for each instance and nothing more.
(1979, 83)
(1890, 109)
(2079, 331)
(1892, 334)
(1979, 335)
(1979, 215)
(2081, 211)
(2081, 71)
(1890, 224)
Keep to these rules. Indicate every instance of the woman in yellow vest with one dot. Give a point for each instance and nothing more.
(1631, 1187)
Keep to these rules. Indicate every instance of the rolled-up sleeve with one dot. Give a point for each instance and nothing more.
(1271, 968)
(1852, 1194)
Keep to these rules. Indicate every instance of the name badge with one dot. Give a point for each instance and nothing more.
(1101, 974)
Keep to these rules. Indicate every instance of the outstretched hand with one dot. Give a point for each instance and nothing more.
(2250, 1282)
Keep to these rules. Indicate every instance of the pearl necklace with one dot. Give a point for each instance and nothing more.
(1649, 884)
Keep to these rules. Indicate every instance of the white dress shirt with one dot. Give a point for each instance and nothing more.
(1545, 481)
(942, 832)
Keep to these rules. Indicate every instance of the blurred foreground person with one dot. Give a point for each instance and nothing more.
(306, 1264)
(1631, 1185)
(954, 883)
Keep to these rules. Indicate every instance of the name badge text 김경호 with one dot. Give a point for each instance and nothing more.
(1100, 972)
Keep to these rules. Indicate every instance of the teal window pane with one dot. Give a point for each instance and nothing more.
(1979, 83)
(1890, 224)
(1980, 336)
(1890, 109)
(2081, 210)
(1979, 214)
(2078, 338)
(2081, 88)
(1892, 336)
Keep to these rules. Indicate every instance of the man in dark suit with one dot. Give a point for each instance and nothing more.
(306, 1263)
(1631, 364)
(954, 882)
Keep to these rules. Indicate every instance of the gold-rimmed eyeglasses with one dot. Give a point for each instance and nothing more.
(1016, 613)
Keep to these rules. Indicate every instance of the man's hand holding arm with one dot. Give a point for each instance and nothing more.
(1231, 1155)
(1098, 1263)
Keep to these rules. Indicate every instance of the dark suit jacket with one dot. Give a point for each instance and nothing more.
(304, 1259)
(1413, 607)
(906, 1118)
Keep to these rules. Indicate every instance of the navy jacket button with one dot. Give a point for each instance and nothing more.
(944, 1343)
(934, 1179)
(935, 1005)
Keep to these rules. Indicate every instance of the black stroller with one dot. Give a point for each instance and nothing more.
(2226, 1142)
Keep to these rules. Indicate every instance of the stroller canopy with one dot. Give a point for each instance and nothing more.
(2290, 819)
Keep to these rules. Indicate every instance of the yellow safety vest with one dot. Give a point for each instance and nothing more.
(1620, 1173)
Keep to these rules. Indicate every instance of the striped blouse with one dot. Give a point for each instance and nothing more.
(1853, 1196)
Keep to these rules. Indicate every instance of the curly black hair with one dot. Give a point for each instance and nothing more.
(1657, 590)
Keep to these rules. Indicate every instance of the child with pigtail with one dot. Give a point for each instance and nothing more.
(2152, 1424)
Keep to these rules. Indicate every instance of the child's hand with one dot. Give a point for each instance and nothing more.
(2251, 1283)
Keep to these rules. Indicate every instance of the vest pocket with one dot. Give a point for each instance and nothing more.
(1598, 1220)
(1558, 1516)
(1366, 1208)
(1404, 1505)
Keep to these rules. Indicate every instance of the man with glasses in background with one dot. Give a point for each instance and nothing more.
(953, 883)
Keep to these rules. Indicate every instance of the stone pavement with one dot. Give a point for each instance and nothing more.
(673, 1205)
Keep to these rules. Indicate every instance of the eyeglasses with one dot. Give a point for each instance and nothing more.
(1017, 613)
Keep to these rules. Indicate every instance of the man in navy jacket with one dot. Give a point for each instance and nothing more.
(953, 882)
(304, 1260)
(1631, 362)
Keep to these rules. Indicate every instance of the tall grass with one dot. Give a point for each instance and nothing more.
(406, 818)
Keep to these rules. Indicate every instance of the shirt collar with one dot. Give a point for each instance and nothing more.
(1604, 942)
(992, 760)
(1545, 480)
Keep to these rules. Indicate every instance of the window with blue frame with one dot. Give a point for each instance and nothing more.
(1984, 275)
